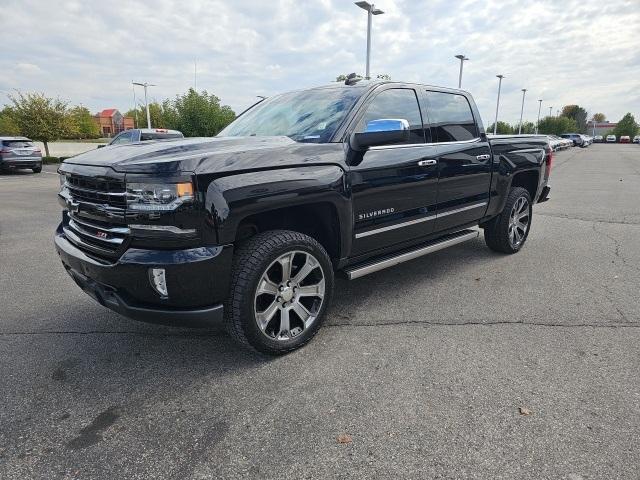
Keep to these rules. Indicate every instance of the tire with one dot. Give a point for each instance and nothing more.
(257, 320)
(37, 169)
(497, 233)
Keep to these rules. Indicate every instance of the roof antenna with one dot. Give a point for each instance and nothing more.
(352, 79)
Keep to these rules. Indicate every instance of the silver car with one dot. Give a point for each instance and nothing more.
(19, 152)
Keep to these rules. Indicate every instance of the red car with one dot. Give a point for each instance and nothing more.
(625, 139)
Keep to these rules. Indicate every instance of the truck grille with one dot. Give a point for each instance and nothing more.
(95, 222)
(100, 191)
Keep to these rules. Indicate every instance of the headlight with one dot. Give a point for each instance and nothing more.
(63, 179)
(147, 197)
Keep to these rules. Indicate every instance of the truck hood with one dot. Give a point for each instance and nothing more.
(209, 155)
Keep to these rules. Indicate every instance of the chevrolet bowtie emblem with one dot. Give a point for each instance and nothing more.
(72, 206)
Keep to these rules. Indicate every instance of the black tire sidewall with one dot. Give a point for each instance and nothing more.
(247, 315)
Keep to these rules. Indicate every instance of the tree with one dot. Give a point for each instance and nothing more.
(156, 113)
(83, 123)
(599, 117)
(626, 126)
(503, 128)
(557, 125)
(197, 114)
(41, 118)
(578, 114)
(527, 128)
(8, 125)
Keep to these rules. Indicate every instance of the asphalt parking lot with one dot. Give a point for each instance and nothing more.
(425, 366)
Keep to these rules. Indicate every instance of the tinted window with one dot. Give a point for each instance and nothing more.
(396, 103)
(122, 138)
(17, 143)
(305, 116)
(451, 117)
(159, 136)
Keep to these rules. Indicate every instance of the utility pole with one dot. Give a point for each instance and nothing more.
(550, 114)
(495, 124)
(524, 90)
(371, 10)
(462, 58)
(146, 102)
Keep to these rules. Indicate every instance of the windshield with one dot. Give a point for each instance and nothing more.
(306, 116)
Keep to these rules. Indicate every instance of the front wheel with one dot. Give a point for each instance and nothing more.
(508, 231)
(281, 285)
(37, 169)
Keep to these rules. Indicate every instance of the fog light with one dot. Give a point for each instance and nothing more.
(158, 281)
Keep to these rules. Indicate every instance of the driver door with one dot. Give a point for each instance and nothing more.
(394, 187)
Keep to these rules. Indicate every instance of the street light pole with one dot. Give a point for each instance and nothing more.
(146, 102)
(462, 58)
(524, 91)
(538, 122)
(135, 105)
(495, 124)
(550, 114)
(371, 10)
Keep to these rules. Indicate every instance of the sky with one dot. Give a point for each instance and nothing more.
(562, 51)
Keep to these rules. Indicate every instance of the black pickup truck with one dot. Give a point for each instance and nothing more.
(250, 227)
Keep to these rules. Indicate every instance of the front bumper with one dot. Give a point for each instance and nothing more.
(197, 281)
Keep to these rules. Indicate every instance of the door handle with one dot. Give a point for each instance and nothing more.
(426, 163)
(483, 157)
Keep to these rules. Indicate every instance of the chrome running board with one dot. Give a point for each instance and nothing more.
(366, 268)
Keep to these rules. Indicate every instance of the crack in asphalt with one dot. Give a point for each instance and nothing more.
(630, 324)
(582, 219)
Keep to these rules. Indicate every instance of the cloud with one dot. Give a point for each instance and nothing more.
(563, 51)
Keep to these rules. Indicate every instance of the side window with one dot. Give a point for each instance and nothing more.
(396, 103)
(451, 117)
(122, 138)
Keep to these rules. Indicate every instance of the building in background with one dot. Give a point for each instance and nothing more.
(111, 122)
(601, 128)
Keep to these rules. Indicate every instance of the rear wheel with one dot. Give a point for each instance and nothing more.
(508, 232)
(280, 288)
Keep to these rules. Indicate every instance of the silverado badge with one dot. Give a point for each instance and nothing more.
(375, 213)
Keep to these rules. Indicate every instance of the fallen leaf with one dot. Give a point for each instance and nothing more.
(525, 411)
(344, 438)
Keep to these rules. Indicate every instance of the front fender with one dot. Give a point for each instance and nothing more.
(231, 199)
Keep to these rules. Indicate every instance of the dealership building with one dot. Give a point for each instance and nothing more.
(600, 128)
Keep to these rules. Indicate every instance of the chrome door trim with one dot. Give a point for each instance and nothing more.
(394, 226)
(462, 209)
(431, 144)
(419, 220)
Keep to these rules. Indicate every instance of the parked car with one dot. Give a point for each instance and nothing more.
(636, 139)
(558, 143)
(588, 139)
(19, 152)
(577, 139)
(611, 139)
(625, 139)
(136, 135)
(598, 139)
(248, 227)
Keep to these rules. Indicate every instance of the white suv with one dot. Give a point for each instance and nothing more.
(611, 139)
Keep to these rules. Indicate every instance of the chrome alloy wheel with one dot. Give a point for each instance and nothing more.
(519, 220)
(289, 295)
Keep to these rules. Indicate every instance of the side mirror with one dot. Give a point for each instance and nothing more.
(385, 131)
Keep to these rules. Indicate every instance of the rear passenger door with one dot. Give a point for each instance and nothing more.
(464, 160)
